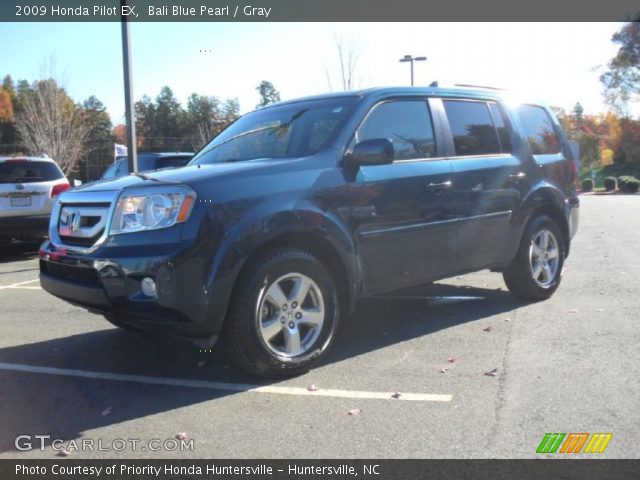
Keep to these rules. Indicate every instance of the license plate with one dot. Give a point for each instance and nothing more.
(20, 201)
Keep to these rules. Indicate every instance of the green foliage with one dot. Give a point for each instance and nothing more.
(268, 94)
(622, 79)
(628, 184)
(587, 185)
(610, 184)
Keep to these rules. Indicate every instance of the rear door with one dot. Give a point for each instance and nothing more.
(25, 186)
(401, 212)
(488, 181)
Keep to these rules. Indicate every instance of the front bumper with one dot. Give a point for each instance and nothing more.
(108, 281)
(24, 227)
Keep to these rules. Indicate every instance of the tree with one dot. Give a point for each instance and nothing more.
(268, 94)
(203, 118)
(230, 110)
(348, 55)
(48, 122)
(622, 79)
(99, 138)
(6, 113)
(578, 112)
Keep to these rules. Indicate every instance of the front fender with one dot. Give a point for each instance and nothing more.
(261, 228)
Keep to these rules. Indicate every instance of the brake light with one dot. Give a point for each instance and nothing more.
(59, 188)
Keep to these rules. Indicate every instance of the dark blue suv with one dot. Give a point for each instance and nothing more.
(276, 226)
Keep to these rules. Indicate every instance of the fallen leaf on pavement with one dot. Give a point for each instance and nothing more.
(451, 359)
(488, 329)
(106, 411)
(354, 411)
(573, 310)
(395, 395)
(312, 388)
(444, 370)
(491, 373)
(507, 319)
(181, 436)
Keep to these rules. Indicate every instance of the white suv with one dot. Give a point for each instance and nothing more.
(28, 186)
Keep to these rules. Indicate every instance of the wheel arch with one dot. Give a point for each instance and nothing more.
(547, 200)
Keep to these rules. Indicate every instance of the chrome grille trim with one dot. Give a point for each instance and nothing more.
(84, 204)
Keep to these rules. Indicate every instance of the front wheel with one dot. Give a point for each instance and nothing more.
(536, 270)
(283, 315)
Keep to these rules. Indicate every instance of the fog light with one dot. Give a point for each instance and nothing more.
(148, 287)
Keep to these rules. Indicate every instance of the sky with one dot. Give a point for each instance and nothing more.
(555, 62)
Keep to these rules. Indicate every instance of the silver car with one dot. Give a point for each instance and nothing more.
(28, 186)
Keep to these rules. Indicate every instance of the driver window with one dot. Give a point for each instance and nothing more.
(406, 123)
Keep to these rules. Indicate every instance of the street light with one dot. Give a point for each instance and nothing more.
(409, 58)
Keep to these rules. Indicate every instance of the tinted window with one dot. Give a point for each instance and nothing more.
(501, 127)
(539, 130)
(406, 123)
(472, 128)
(28, 171)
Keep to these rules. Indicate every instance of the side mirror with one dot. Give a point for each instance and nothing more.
(375, 151)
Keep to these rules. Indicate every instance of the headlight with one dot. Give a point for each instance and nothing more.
(151, 208)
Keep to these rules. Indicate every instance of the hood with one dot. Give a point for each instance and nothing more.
(189, 175)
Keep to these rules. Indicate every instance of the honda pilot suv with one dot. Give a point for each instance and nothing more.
(267, 238)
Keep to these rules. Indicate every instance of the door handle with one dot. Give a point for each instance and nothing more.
(518, 176)
(439, 185)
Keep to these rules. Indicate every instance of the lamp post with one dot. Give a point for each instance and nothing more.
(411, 59)
(132, 154)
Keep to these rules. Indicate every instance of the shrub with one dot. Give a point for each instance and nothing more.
(610, 184)
(587, 185)
(628, 184)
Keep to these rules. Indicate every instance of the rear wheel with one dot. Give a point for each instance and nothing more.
(283, 315)
(536, 270)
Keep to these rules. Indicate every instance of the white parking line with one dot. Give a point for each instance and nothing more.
(20, 285)
(233, 387)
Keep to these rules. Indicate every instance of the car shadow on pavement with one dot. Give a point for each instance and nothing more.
(65, 407)
(17, 251)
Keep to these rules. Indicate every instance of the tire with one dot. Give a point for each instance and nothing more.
(535, 273)
(267, 314)
(113, 320)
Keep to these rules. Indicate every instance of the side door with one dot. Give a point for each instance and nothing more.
(400, 213)
(488, 181)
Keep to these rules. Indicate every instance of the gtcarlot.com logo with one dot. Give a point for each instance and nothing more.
(574, 442)
(40, 442)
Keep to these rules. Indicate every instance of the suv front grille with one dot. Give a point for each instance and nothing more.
(81, 224)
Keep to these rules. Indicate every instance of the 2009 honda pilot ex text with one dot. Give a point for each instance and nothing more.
(277, 225)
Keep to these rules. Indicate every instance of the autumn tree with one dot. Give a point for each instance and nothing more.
(48, 122)
(268, 94)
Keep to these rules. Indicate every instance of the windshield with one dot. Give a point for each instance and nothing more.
(291, 130)
(28, 171)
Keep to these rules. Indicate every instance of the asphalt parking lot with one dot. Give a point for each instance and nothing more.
(569, 364)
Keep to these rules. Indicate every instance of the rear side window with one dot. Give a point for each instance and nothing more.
(539, 130)
(473, 128)
(28, 171)
(501, 127)
(406, 123)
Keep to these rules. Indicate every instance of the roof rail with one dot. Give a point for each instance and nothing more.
(465, 85)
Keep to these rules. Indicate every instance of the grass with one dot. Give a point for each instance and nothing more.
(615, 170)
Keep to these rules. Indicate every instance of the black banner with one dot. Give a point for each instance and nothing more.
(64, 468)
(314, 10)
